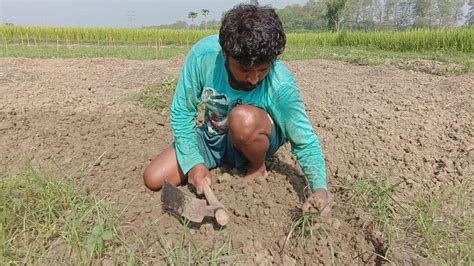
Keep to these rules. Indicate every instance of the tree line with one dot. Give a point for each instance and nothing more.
(320, 15)
(367, 15)
(193, 15)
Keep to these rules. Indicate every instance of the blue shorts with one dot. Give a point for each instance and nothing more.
(218, 149)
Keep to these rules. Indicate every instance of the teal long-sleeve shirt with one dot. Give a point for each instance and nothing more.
(204, 78)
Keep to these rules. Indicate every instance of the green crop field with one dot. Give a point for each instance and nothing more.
(457, 39)
(101, 35)
(452, 46)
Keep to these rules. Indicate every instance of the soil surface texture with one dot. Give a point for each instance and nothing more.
(80, 114)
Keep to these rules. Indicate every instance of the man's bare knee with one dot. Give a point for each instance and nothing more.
(152, 179)
(247, 123)
(164, 167)
(243, 123)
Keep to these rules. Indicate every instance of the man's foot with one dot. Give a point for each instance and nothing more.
(253, 173)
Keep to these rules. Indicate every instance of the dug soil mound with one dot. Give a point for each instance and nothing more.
(80, 114)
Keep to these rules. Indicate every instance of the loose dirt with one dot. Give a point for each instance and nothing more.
(79, 114)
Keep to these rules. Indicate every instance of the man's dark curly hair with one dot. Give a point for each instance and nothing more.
(252, 35)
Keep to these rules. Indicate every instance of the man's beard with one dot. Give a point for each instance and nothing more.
(238, 84)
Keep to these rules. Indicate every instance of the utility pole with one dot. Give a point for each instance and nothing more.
(131, 17)
(254, 2)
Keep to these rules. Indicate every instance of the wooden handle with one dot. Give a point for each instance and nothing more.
(221, 215)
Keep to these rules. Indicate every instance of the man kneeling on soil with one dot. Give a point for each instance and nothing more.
(253, 106)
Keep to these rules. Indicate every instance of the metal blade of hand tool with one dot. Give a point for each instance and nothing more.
(184, 204)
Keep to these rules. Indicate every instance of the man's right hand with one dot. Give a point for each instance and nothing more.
(198, 175)
(318, 202)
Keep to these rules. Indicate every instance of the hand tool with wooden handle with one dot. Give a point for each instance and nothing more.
(222, 217)
(188, 206)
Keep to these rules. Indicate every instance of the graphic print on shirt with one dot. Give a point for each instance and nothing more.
(217, 109)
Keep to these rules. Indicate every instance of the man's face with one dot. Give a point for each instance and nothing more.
(245, 78)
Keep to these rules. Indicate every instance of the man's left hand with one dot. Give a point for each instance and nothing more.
(318, 202)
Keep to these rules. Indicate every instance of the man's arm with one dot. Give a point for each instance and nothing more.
(184, 112)
(291, 117)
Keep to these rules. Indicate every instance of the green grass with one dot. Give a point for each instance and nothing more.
(44, 221)
(109, 36)
(302, 226)
(354, 55)
(132, 51)
(446, 39)
(306, 226)
(187, 251)
(376, 195)
(370, 56)
(158, 97)
(449, 39)
(445, 226)
(439, 227)
(452, 46)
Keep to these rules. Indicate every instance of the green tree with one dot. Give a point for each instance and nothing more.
(210, 24)
(175, 25)
(310, 16)
(390, 8)
(404, 14)
(192, 15)
(334, 13)
(448, 12)
(378, 10)
(317, 15)
(375, 14)
(359, 14)
(424, 12)
(205, 12)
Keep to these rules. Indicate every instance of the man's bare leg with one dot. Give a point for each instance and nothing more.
(164, 167)
(251, 129)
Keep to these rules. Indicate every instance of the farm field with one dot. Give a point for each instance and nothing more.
(398, 143)
(454, 47)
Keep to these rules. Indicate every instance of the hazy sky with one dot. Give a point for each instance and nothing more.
(110, 13)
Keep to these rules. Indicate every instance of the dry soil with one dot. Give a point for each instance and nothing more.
(414, 127)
